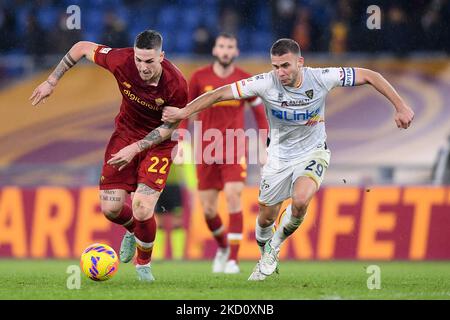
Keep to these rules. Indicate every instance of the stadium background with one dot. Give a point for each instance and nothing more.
(386, 195)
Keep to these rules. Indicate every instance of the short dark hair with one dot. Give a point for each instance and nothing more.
(283, 46)
(227, 35)
(149, 39)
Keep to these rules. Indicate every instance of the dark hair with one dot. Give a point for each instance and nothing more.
(283, 46)
(227, 35)
(149, 39)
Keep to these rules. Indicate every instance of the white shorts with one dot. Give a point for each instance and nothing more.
(278, 177)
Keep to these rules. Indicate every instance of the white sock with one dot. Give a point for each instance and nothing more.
(143, 265)
(288, 225)
(263, 234)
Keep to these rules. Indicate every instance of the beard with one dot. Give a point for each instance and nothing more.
(224, 63)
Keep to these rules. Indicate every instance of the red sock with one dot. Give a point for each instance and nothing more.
(125, 218)
(218, 230)
(235, 234)
(145, 233)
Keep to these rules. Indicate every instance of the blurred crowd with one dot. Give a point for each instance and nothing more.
(39, 27)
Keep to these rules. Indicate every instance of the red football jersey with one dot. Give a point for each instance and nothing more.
(226, 114)
(142, 104)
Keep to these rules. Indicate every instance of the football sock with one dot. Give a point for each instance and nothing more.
(235, 234)
(125, 218)
(263, 234)
(287, 225)
(145, 233)
(216, 227)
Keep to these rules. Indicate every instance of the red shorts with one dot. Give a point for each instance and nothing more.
(149, 167)
(214, 176)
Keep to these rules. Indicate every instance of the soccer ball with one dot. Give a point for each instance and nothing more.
(99, 262)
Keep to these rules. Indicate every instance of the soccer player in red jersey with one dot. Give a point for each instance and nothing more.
(226, 176)
(136, 160)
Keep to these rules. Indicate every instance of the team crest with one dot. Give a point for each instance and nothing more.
(309, 93)
(159, 101)
(126, 84)
(105, 50)
(280, 96)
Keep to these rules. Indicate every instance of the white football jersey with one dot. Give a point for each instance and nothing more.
(295, 115)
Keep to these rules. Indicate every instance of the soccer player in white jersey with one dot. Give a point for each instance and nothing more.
(294, 99)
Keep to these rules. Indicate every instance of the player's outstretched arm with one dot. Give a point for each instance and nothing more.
(206, 100)
(125, 155)
(157, 136)
(76, 53)
(403, 113)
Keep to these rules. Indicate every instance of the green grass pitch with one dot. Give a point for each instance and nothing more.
(46, 279)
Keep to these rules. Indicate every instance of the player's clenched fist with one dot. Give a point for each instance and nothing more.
(404, 116)
(172, 114)
(41, 93)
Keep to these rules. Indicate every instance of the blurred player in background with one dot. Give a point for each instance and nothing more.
(136, 160)
(298, 156)
(212, 178)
